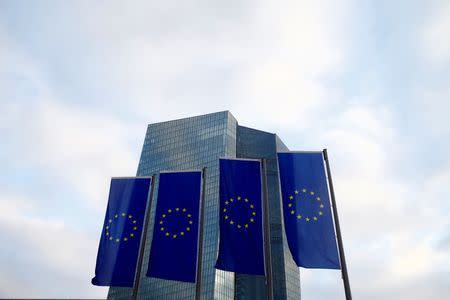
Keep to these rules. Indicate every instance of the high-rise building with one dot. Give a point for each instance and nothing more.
(194, 143)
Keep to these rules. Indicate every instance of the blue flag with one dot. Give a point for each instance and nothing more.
(121, 234)
(306, 208)
(174, 249)
(241, 236)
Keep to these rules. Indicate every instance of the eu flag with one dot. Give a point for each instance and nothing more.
(306, 208)
(174, 252)
(121, 234)
(241, 235)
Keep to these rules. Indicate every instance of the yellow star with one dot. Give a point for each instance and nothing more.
(246, 200)
(318, 198)
(167, 234)
(231, 200)
(239, 226)
(304, 190)
(134, 228)
(116, 215)
(226, 202)
(110, 238)
(125, 239)
(188, 228)
(320, 213)
(307, 219)
(290, 204)
(110, 221)
(226, 217)
(251, 206)
(252, 220)
(296, 192)
(162, 228)
(163, 215)
(130, 216)
(299, 217)
(239, 198)
(189, 215)
(107, 233)
(177, 209)
(160, 222)
(117, 240)
(312, 193)
(315, 218)
(132, 234)
(254, 213)
(182, 233)
(107, 227)
(123, 214)
(134, 221)
(224, 210)
(246, 225)
(174, 236)
(291, 197)
(231, 222)
(292, 212)
(184, 209)
(190, 222)
(321, 205)
(169, 210)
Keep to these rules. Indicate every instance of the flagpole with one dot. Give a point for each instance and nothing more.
(348, 293)
(198, 275)
(267, 248)
(137, 276)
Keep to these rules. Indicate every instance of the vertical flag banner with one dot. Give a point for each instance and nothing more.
(119, 242)
(306, 208)
(241, 236)
(174, 249)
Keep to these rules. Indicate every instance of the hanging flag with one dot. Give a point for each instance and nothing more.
(241, 229)
(174, 249)
(306, 208)
(121, 234)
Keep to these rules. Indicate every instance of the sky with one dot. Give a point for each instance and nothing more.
(368, 80)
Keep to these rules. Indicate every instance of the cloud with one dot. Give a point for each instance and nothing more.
(391, 244)
(283, 85)
(43, 256)
(79, 145)
(76, 98)
(436, 45)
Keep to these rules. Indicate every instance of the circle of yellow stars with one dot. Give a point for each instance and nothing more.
(164, 221)
(302, 195)
(118, 239)
(229, 219)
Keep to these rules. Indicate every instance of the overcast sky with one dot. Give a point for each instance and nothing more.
(369, 80)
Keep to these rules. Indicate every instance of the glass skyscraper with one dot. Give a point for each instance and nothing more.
(194, 143)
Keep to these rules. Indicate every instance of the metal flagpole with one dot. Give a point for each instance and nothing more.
(348, 293)
(266, 222)
(198, 275)
(137, 276)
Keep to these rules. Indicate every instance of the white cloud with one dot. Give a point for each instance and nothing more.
(271, 65)
(83, 146)
(433, 104)
(435, 35)
(282, 86)
(42, 256)
(386, 220)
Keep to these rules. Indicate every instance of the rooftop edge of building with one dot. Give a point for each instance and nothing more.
(276, 136)
(223, 112)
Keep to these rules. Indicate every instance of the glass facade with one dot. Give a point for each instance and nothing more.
(194, 143)
(253, 143)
